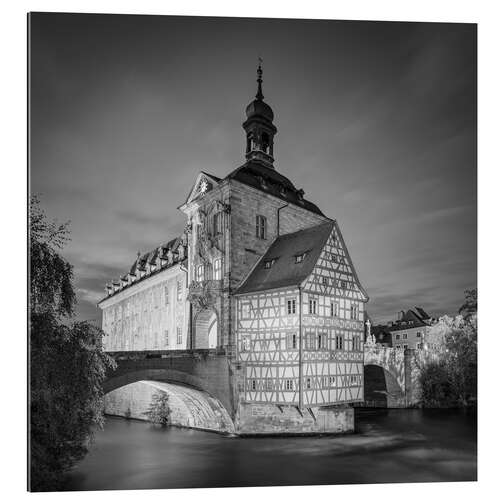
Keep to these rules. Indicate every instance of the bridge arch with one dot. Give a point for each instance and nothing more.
(197, 382)
(381, 388)
(385, 374)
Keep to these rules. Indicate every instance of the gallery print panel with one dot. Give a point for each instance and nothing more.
(269, 277)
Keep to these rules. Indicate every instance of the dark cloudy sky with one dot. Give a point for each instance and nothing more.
(376, 122)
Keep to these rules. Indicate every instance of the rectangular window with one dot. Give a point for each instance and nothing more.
(260, 227)
(269, 384)
(200, 273)
(339, 342)
(290, 306)
(245, 343)
(331, 379)
(310, 342)
(405, 335)
(419, 346)
(354, 311)
(325, 281)
(288, 384)
(291, 341)
(343, 284)
(398, 336)
(334, 258)
(217, 269)
(398, 346)
(308, 383)
(268, 263)
(419, 334)
(322, 342)
(313, 304)
(356, 343)
(334, 309)
(179, 335)
(253, 384)
(405, 346)
(217, 229)
(179, 290)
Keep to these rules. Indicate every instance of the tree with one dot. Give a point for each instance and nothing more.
(469, 307)
(461, 360)
(159, 409)
(67, 362)
(452, 380)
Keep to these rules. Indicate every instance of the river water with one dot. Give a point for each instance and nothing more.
(388, 446)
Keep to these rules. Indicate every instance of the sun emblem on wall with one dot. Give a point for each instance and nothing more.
(203, 186)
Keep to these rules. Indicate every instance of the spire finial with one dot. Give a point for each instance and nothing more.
(259, 94)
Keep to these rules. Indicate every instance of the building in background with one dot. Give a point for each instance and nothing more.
(411, 329)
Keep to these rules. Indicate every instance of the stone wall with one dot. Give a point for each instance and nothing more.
(259, 419)
(246, 204)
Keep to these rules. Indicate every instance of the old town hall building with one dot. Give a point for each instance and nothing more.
(260, 274)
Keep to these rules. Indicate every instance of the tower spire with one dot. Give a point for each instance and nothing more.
(259, 94)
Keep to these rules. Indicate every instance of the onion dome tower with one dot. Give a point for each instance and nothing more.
(259, 127)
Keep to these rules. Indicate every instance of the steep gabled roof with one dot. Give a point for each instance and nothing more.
(409, 319)
(284, 270)
(257, 175)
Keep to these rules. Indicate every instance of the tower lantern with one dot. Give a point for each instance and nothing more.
(259, 127)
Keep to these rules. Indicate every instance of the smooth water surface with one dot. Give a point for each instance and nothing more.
(388, 446)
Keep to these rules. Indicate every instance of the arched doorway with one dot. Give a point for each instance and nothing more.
(206, 329)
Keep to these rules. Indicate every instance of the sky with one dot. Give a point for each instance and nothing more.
(376, 122)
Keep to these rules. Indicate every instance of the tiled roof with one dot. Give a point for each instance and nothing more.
(410, 319)
(153, 258)
(256, 174)
(284, 270)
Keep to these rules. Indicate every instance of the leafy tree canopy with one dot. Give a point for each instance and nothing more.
(67, 362)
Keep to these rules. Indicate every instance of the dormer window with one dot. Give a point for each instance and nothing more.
(269, 263)
(300, 257)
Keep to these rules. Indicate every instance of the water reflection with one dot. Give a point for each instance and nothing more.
(389, 446)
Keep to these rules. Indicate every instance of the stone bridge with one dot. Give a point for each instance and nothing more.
(391, 376)
(196, 381)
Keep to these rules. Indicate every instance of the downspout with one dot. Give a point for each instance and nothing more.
(301, 404)
(278, 220)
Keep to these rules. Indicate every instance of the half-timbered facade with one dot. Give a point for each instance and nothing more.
(300, 322)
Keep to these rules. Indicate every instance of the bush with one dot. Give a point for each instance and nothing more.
(159, 410)
(436, 386)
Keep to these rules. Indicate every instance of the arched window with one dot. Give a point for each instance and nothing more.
(265, 142)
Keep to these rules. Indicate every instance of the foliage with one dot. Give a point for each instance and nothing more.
(469, 307)
(67, 362)
(159, 409)
(51, 276)
(436, 385)
(452, 381)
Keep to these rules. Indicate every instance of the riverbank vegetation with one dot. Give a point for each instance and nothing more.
(67, 363)
(451, 381)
